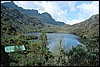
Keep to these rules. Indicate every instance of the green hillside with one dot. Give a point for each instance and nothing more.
(87, 28)
(14, 20)
(15, 23)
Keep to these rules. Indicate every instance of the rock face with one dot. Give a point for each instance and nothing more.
(45, 17)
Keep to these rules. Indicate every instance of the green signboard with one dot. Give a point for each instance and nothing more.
(14, 48)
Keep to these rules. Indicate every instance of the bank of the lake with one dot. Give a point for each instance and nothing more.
(68, 40)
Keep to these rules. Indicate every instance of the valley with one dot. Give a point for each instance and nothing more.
(16, 21)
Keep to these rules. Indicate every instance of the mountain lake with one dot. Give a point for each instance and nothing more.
(68, 40)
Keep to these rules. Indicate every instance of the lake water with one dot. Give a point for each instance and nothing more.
(68, 40)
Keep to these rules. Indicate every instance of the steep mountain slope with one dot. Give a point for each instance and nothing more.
(87, 28)
(28, 12)
(12, 19)
(89, 32)
(45, 17)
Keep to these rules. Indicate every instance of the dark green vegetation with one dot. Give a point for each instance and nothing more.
(14, 23)
(89, 32)
(13, 20)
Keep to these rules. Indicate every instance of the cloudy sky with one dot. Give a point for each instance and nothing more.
(70, 12)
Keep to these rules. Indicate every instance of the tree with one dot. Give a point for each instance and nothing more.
(43, 39)
(77, 56)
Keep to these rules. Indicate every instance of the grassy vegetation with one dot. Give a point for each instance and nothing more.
(37, 54)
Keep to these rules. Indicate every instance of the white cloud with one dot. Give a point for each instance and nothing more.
(61, 10)
(74, 21)
(88, 9)
(71, 5)
(54, 8)
(61, 15)
(29, 5)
